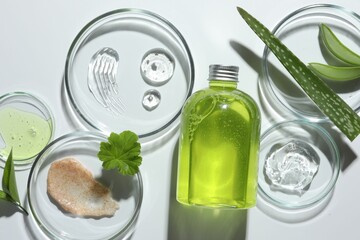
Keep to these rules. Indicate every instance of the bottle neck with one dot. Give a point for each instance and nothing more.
(224, 77)
(224, 84)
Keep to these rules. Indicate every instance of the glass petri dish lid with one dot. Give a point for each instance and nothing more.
(26, 127)
(299, 31)
(56, 223)
(106, 79)
(299, 165)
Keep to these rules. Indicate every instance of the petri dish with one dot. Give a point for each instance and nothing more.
(133, 34)
(316, 141)
(53, 221)
(26, 127)
(299, 31)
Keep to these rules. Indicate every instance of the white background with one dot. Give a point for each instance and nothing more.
(34, 39)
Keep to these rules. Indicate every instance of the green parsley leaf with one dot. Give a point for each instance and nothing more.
(10, 192)
(122, 151)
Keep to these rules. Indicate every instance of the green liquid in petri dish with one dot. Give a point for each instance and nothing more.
(24, 132)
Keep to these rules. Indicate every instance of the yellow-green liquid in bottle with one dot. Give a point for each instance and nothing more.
(218, 146)
(24, 132)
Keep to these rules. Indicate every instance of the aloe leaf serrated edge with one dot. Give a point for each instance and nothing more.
(324, 97)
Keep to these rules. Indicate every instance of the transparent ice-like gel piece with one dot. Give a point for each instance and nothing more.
(102, 83)
(291, 167)
(151, 99)
(157, 67)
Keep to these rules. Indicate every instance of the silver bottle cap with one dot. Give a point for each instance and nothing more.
(221, 72)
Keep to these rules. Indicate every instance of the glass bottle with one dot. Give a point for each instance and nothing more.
(218, 145)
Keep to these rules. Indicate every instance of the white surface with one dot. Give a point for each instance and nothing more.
(35, 38)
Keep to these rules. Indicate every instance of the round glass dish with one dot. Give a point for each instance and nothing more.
(57, 224)
(26, 127)
(131, 34)
(310, 137)
(299, 31)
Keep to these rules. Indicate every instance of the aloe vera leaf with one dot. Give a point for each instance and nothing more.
(10, 192)
(4, 196)
(322, 95)
(337, 48)
(9, 180)
(334, 72)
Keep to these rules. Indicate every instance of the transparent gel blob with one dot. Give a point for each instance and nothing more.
(151, 99)
(291, 168)
(157, 67)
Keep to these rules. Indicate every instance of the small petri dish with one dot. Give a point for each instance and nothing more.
(53, 221)
(289, 182)
(299, 31)
(26, 127)
(138, 37)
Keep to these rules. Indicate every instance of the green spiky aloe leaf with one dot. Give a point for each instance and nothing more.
(337, 48)
(10, 192)
(335, 73)
(321, 94)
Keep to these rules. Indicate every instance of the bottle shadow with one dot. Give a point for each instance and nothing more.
(272, 109)
(194, 222)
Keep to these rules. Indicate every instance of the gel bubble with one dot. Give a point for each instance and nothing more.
(291, 167)
(157, 67)
(151, 99)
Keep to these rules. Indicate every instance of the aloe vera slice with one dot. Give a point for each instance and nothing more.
(324, 97)
(337, 48)
(334, 72)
